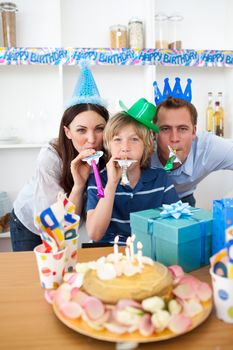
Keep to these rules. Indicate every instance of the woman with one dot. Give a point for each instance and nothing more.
(60, 166)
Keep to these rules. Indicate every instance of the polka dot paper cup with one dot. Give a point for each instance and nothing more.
(71, 244)
(223, 296)
(51, 267)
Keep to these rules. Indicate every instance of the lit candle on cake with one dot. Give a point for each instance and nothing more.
(127, 249)
(139, 253)
(132, 247)
(115, 249)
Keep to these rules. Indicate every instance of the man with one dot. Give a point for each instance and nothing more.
(200, 153)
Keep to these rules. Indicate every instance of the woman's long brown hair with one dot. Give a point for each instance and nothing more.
(64, 146)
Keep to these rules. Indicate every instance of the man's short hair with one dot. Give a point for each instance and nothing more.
(176, 103)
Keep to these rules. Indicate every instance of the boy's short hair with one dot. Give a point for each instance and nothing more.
(116, 123)
(176, 103)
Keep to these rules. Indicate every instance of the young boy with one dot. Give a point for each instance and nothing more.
(127, 135)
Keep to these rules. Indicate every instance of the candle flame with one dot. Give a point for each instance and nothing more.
(139, 245)
(116, 239)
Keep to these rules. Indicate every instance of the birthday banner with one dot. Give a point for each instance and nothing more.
(72, 56)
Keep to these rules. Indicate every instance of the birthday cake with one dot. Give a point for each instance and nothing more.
(123, 294)
(111, 281)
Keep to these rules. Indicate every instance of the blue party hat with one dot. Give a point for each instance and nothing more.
(85, 90)
(176, 92)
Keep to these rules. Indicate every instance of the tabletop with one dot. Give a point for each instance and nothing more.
(27, 321)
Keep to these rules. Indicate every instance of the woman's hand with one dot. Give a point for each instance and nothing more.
(81, 170)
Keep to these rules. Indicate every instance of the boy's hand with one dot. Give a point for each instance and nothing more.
(113, 171)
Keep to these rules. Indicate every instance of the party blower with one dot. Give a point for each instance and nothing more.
(172, 159)
(124, 164)
(93, 160)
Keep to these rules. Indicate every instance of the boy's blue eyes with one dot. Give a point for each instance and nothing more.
(133, 139)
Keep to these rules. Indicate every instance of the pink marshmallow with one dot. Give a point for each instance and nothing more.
(49, 295)
(115, 328)
(123, 303)
(71, 310)
(187, 287)
(146, 328)
(63, 294)
(79, 297)
(179, 323)
(176, 271)
(94, 308)
(204, 291)
(192, 307)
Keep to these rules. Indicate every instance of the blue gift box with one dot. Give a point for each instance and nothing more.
(185, 241)
(222, 223)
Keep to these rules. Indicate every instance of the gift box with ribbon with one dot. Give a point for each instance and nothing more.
(222, 223)
(175, 234)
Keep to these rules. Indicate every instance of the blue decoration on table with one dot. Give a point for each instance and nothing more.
(222, 222)
(176, 210)
(176, 92)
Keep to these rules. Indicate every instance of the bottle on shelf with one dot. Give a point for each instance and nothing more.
(210, 115)
(221, 110)
(219, 119)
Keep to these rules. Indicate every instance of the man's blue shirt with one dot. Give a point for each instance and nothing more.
(208, 153)
(153, 189)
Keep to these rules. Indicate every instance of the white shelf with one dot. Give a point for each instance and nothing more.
(21, 145)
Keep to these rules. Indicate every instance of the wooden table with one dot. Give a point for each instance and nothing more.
(28, 322)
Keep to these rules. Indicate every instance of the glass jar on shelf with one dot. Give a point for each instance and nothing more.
(8, 10)
(161, 30)
(174, 29)
(135, 33)
(118, 36)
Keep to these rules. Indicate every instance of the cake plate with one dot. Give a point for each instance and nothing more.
(82, 327)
